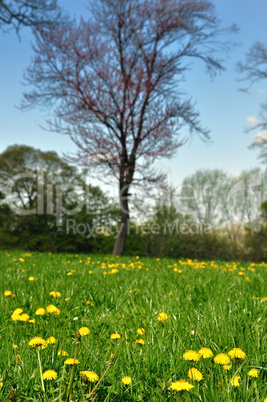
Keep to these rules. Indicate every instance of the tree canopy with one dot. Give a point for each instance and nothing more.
(114, 83)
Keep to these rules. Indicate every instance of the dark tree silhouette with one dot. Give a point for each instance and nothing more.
(114, 84)
(17, 13)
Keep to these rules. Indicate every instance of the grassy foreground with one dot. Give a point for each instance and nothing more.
(213, 305)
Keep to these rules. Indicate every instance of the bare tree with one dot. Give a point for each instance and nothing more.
(17, 13)
(254, 69)
(114, 85)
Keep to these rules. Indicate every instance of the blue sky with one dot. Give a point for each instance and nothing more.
(223, 108)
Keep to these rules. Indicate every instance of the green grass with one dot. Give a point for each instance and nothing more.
(208, 305)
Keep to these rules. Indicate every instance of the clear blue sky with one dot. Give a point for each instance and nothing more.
(223, 108)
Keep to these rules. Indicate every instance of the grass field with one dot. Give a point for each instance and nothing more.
(213, 305)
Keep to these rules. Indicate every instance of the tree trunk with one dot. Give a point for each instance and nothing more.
(124, 225)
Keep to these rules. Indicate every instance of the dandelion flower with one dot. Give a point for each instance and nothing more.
(67, 298)
(51, 340)
(15, 347)
(40, 311)
(222, 358)
(84, 331)
(195, 374)
(206, 353)
(24, 317)
(227, 367)
(237, 354)
(17, 311)
(162, 317)
(191, 355)
(62, 353)
(115, 336)
(32, 321)
(236, 381)
(140, 341)
(52, 309)
(181, 385)
(31, 278)
(126, 380)
(71, 361)
(89, 376)
(55, 294)
(38, 342)
(49, 375)
(141, 331)
(8, 293)
(15, 317)
(254, 373)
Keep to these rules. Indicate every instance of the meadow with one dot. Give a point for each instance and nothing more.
(103, 328)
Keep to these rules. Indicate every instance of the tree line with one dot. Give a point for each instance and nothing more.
(48, 205)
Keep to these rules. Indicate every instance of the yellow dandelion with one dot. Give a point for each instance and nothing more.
(55, 294)
(51, 340)
(236, 381)
(126, 380)
(69, 273)
(24, 317)
(8, 293)
(15, 317)
(17, 311)
(206, 353)
(52, 309)
(84, 331)
(195, 374)
(227, 367)
(237, 354)
(15, 347)
(31, 278)
(31, 321)
(49, 375)
(264, 299)
(62, 353)
(191, 355)
(40, 311)
(67, 298)
(254, 373)
(162, 317)
(38, 342)
(89, 376)
(222, 358)
(115, 336)
(140, 341)
(89, 303)
(71, 361)
(141, 331)
(181, 385)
